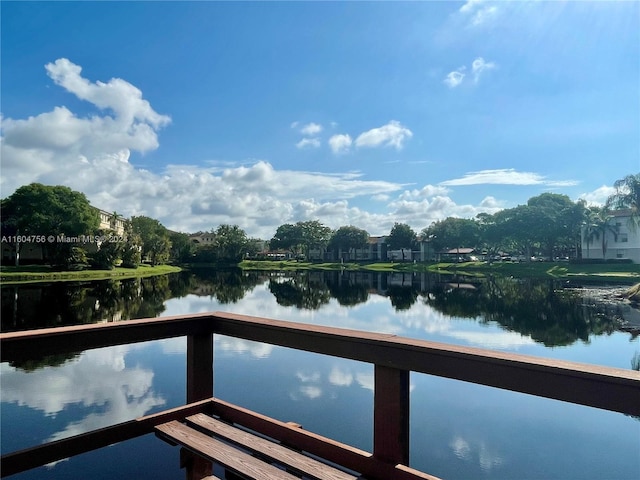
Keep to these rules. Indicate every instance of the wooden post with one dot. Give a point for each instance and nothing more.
(199, 387)
(391, 415)
(199, 367)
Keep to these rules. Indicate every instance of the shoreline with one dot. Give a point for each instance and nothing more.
(618, 273)
(628, 274)
(118, 273)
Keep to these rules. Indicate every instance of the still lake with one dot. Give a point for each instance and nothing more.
(458, 430)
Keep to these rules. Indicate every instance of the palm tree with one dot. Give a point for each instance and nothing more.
(627, 196)
(597, 226)
(590, 226)
(113, 221)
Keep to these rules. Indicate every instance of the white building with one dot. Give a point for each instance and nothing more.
(621, 241)
(111, 221)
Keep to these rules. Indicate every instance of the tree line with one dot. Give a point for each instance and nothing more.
(549, 224)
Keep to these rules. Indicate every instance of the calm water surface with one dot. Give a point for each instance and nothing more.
(458, 430)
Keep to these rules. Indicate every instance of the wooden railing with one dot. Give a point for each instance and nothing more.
(393, 358)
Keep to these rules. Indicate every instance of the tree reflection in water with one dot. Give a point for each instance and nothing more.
(300, 292)
(541, 309)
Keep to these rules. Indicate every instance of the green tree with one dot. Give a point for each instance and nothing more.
(109, 251)
(301, 237)
(254, 246)
(182, 248)
(156, 245)
(401, 237)
(231, 243)
(43, 210)
(131, 253)
(590, 227)
(287, 237)
(627, 196)
(349, 238)
(113, 221)
(518, 227)
(574, 219)
(453, 233)
(491, 233)
(553, 217)
(599, 226)
(314, 235)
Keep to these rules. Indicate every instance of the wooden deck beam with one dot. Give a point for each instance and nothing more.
(391, 415)
(339, 453)
(199, 367)
(29, 344)
(37, 456)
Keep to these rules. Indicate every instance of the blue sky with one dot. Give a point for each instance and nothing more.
(354, 113)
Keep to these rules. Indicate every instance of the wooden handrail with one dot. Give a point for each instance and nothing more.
(393, 357)
(609, 388)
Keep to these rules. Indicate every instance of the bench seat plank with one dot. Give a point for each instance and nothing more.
(222, 453)
(275, 452)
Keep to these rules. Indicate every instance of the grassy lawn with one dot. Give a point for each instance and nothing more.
(295, 265)
(613, 272)
(43, 273)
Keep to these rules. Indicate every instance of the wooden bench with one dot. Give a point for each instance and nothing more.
(245, 453)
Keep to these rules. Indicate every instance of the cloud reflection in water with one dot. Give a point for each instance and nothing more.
(97, 385)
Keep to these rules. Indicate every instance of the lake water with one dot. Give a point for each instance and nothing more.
(458, 430)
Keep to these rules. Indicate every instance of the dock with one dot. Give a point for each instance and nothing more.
(248, 445)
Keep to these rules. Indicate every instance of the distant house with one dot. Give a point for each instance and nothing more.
(202, 239)
(374, 250)
(621, 240)
(111, 221)
(400, 255)
(457, 254)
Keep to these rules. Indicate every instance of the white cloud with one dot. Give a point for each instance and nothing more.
(506, 176)
(479, 65)
(491, 203)
(453, 79)
(308, 143)
(121, 393)
(479, 12)
(470, 6)
(382, 197)
(311, 391)
(59, 140)
(366, 380)
(117, 95)
(599, 196)
(392, 134)
(425, 192)
(311, 129)
(242, 346)
(340, 143)
(420, 213)
(493, 340)
(313, 377)
(484, 16)
(91, 154)
(340, 378)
